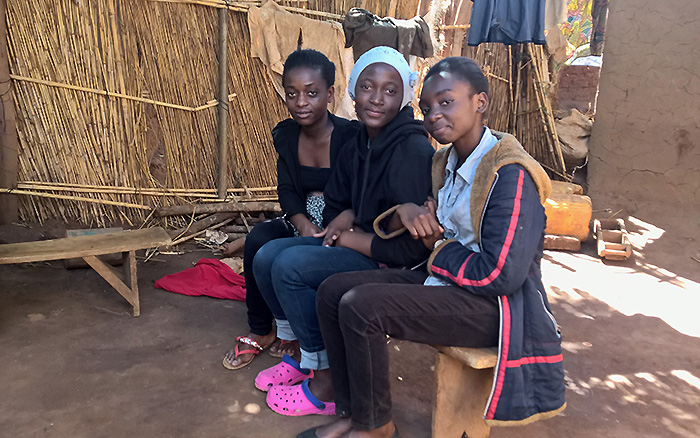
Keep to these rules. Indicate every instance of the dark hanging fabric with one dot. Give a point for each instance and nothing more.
(364, 30)
(507, 22)
(599, 12)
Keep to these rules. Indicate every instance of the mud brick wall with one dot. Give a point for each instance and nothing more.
(578, 85)
(645, 143)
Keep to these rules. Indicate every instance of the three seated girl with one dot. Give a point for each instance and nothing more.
(481, 232)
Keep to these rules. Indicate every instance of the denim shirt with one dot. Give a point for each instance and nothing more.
(455, 196)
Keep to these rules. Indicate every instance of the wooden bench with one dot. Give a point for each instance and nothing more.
(88, 248)
(463, 378)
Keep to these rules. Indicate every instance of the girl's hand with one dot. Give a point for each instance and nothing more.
(309, 229)
(304, 225)
(429, 241)
(342, 222)
(357, 240)
(420, 221)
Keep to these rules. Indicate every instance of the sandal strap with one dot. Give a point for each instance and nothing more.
(252, 343)
(237, 352)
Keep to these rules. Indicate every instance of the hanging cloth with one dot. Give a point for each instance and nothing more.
(555, 13)
(599, 13)
(364, 30)
(507, 22)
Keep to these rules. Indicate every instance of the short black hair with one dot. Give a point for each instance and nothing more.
(465, 69)
(313, 59)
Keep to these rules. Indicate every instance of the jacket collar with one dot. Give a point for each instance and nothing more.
(507, 151)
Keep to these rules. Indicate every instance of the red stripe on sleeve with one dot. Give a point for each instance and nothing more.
(460, 279)
(535, 359)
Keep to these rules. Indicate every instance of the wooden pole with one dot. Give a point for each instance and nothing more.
(175, 210)
(9, 142)
(222, 118)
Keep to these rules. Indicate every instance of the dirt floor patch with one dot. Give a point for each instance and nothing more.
(74, 362)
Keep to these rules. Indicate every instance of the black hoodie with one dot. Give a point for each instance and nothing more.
(395, 169)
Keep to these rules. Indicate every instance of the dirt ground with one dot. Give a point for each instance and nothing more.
(74, 363)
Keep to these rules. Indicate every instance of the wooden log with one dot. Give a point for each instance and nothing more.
(235, 229)
(235, 236)
(234, 247)
(566, 188)
(561, 243)
(202, 224)
(199, 233)
(247, 207)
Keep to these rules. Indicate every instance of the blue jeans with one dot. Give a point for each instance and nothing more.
(288, 272)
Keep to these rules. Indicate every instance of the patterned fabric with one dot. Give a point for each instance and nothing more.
(314, 208)
(578, 27)
(314, 211)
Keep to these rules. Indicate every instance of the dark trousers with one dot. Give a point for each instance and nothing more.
(259, 314)
(356, 311)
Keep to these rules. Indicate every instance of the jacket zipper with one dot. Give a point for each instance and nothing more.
(498, 357)
(500, 309)
(551, 317)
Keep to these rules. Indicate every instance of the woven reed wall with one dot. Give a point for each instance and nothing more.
(160, 134)
(163, 52)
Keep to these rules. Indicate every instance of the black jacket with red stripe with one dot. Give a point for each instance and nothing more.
(509, 221)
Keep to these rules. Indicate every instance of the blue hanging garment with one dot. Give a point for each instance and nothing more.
(507, 21)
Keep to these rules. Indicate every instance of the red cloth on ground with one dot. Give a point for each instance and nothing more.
(209, 277)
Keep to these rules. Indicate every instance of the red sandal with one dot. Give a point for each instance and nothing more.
(255, 350)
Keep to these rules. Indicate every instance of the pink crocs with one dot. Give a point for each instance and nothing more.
(297, 400)
(286, 373)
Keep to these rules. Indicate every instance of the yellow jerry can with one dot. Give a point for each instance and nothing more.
(568, 215)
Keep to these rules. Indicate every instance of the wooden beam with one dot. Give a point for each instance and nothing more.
(83, 246)
(116, 280)
(9, 142)
(175, 210)
(201, 224)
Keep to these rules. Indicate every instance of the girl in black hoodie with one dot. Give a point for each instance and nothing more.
(387, 163)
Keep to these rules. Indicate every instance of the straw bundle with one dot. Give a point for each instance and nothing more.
(495, 61)
(532, 111)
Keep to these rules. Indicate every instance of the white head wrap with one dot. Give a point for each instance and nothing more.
(390, 56)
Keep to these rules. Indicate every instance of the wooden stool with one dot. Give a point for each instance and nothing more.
(463, 378)
(88, 248)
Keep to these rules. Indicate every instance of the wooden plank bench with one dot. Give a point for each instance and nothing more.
(463, 378)
(88, 248)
